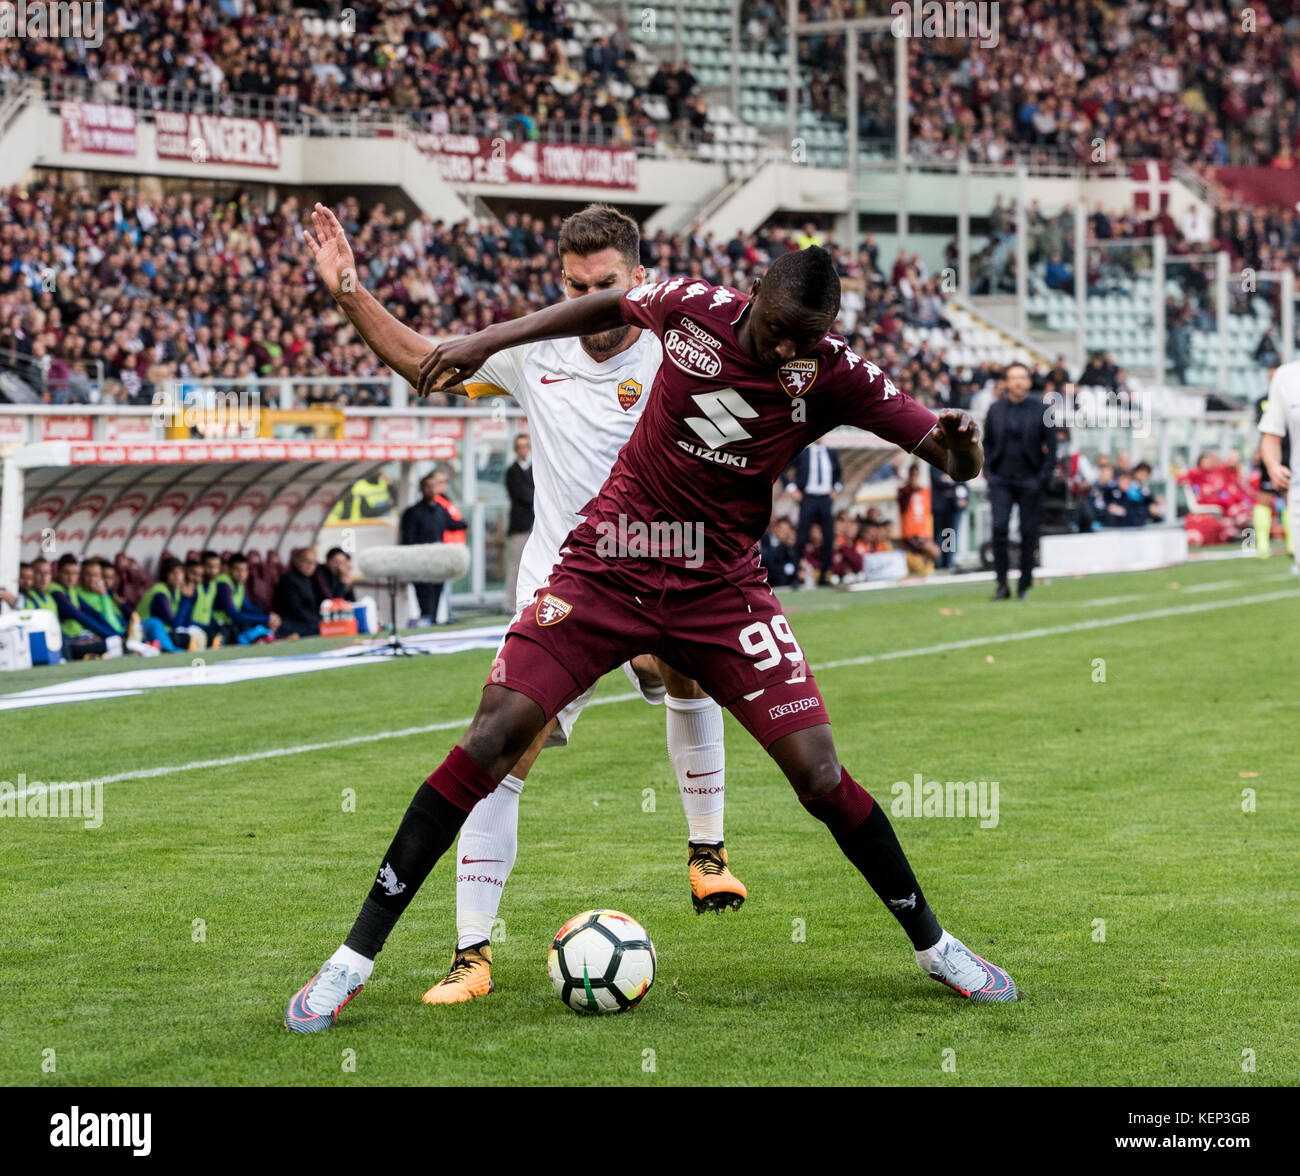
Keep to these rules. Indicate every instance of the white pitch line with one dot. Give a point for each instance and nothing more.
(278, 752)
(868, 659)
(1060, 630)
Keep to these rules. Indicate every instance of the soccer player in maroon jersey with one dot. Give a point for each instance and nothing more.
(746, 384)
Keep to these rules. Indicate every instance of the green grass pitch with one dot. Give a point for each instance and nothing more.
(1119, 801)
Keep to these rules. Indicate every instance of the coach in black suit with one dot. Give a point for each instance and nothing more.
(1019, 456)
(816, 478)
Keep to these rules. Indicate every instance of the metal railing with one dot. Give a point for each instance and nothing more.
(84, 386)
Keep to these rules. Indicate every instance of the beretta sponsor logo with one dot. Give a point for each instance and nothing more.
(692, 357)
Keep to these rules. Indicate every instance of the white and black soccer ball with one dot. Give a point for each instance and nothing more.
(602, 962)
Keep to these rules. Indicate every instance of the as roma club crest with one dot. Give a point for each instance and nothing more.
(797, 376)
(551, 610)
(629, 392)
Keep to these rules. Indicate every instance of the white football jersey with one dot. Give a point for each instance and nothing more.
(1282, 416)
(580, 414)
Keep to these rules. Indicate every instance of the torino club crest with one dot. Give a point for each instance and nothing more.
(551, 610)
(797, 376)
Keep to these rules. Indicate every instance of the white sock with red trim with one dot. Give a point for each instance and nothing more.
(696, 750)
(489, 841)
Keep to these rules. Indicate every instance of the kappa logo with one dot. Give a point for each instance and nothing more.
(629, 392)
(798, 706)
(797, 376)
(551, 610)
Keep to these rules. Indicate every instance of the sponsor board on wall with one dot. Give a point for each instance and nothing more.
(473, 159)
(97, 128)
(206, 138)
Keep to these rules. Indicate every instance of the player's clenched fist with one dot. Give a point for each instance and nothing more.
(451, 362)
(959, 430)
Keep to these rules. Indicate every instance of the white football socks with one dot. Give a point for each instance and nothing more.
(696, 750)
(926, 959)
(489, 841)
(354, 961)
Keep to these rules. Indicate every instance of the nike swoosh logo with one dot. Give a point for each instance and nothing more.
(696, 775)
(555, 379)
(474, 861)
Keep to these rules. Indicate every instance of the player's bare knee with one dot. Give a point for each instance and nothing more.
(501, 731)
(815, 777)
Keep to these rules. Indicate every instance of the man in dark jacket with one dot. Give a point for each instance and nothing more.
(779, 555)
(1019, 456)
(816, 477)
(519, 486)
(428, 521)
(297, 597)
(334, 576)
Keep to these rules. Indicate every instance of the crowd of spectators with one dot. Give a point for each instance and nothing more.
(141, 289)
(1201, 81)
(1264, 239)
(855, 539)
(1194, 81)
(110, 608)
(450, 66)
(108, 293)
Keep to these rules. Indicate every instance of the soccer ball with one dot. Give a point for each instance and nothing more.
(602, 962)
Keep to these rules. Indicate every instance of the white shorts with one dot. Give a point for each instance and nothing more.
(525, 596)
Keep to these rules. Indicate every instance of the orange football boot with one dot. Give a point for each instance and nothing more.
(470, 975)
(713, 886)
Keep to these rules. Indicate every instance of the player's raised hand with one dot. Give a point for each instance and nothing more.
(331, 252)
(451, 362)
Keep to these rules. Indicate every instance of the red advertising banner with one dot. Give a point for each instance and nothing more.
(210, 138)
(1278, 187)
(470, 159)
(96, 128)
(170, 452)
(67, 428)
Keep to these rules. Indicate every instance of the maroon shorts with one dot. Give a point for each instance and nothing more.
(595, 613)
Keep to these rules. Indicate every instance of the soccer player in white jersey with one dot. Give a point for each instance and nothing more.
(583, 397)
(1281, 424)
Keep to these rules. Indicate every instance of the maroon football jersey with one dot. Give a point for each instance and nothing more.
(720, 429)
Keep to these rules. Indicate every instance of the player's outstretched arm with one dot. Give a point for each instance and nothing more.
(454, 360)
(954, 446)
(395, 343)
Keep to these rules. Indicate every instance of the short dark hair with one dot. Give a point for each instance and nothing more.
(209, 554)
(168, 565)
(1142, 465)
(332, 552)
(238, 558)
(808, 277)
(67, 560)
(601, 226)
(1015, 363)
(25, 566)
